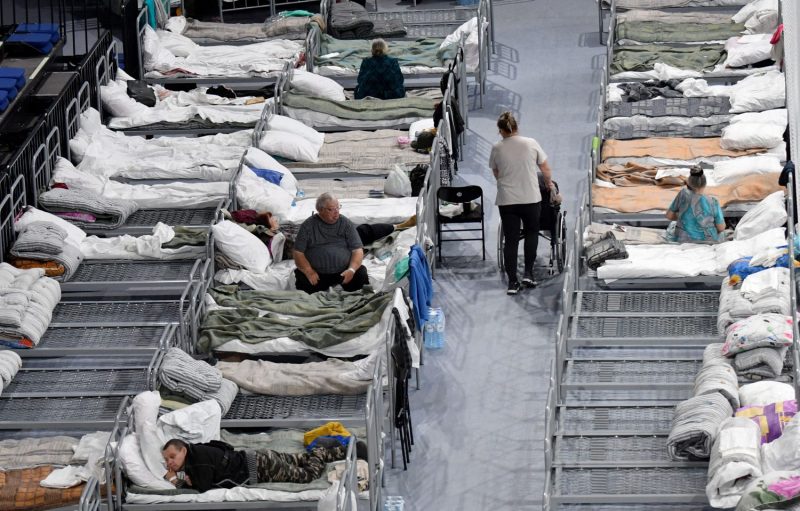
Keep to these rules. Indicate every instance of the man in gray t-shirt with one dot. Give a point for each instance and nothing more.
(328, 251)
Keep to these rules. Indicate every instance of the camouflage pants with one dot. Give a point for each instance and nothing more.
(304, 467)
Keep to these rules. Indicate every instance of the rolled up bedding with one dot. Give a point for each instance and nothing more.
(107, 214)
(735, 461)
(695, 425)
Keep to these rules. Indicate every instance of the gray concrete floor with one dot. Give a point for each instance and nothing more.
(478, 420)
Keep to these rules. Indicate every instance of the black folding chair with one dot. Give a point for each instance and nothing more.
(463, 195)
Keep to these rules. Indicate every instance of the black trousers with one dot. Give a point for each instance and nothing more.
(370, 233)
(328, 280)
(511, 217)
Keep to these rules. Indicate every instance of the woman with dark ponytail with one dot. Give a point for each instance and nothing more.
(696, 217)
(514, 161)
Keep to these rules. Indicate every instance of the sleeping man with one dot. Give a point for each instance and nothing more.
(216, 464)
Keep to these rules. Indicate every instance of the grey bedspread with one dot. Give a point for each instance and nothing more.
(644, 57)
(263, 377)
(625, 128)
(35, 452)
(364, 151)
(283, 28)
(349, 20)
(349, 54)
(320, 320)
(363, 109)
(41, 242)
(110, 214)
(689, 32)
(660, 107)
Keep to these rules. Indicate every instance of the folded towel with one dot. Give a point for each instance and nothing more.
(735, 461)
(109, 214)
(179, 372)
(695, 425)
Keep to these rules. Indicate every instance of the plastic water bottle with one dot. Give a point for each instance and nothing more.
(393, 503)
(434, 329)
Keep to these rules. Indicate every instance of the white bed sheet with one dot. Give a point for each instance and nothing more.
(686, 259)
(159, 196)
(176, 107)
(237, 494)
(666, 72)
(323, 120)
(168, 54)
(147, 247)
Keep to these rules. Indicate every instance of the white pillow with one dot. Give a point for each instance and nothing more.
(762, 393)
(728, 171)
(748, 49)
(196, 423)
(117, 102)
(241, 246)
(317, 85)
(758, 92)
(289, 125)
(289, 145)
(75, 235)
(418, 126)
(754, 135)
(261, 195)
(258, 159)
(767, 214)
(778, 117)
(133, 464)
(145, 416)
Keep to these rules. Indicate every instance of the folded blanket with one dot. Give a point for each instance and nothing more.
(10, 364)
(179, 372)
(70, 258)
(41, 237)
(109, 214)
(720, 378)
(712, 354)
(262, 377)
(695, 425)
(735, 461)
(733, 306)
(760, 362)
(34, 452)
(27, 300)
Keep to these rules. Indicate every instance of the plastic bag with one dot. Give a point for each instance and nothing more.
(766, 215)
(397, 183)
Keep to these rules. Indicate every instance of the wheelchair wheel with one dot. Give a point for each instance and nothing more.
(501, 244)
(560, 241)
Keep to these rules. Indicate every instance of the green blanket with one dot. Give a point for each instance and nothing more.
(350, 53)
(644, 57)
(656, 31)
(320, 320)
(363, 109)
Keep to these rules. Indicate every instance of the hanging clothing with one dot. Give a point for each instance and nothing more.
(421, 285)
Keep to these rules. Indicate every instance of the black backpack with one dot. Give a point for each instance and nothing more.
(417, 178)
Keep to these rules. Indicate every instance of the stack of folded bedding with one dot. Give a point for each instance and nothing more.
(196, 379)
(27, 300)
(46, 243)
(695, 425)
(733, 305)
(87, 210)
(758, 345)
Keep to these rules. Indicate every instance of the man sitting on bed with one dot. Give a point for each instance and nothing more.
(216, 464)
(328, 251)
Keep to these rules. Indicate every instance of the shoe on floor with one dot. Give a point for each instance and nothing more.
(528, 281)
(411, 222)
(513, 288)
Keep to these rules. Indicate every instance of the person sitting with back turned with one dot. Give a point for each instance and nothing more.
(216, 464)
(328, 251)
(696, 218)
(379, 75)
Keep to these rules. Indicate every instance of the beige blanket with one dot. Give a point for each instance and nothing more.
(364, 151)
(262, 377)
(669, 147)
(635, 199)
(635, 174)
(673, 17)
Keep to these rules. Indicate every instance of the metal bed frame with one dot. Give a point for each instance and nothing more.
(426, 22)
(106, 70)
(110, 278)
(234, 83)
(284, 85)
(116, 481)
(314, 42)
(142, 221)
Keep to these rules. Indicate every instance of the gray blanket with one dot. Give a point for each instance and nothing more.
(420, 52)
(320, 320)
(263, 377)
(363, 109)
(110, 214)
(658, 32)
(695, 425)
(659, 107)
(283, 28)
(626, 128)
(35, 452)
(349, 20)
(760, 363)
(70, 256)
(41, 237)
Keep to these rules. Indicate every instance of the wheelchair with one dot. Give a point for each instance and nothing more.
(552, 228)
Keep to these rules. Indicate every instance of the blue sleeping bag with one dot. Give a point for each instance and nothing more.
(17, 73)
(39, 42)
(39, 28)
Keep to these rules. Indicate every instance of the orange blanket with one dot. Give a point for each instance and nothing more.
(665, 147)
(51, 268)
(634, 174)
(635, 199)
(20, 490)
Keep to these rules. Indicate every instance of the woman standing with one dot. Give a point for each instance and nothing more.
(513, 161)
